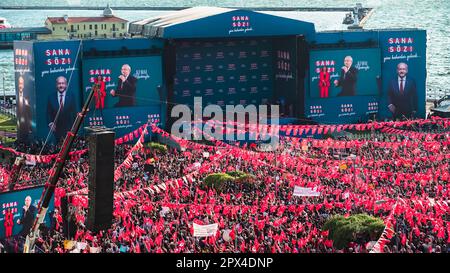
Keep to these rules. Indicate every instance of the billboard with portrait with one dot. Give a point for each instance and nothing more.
(123, 81)
(57, 85)
(344, 72)
(14, 203)
(404, 74)
(25, 95)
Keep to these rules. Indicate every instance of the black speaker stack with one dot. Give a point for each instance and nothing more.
(101, 178)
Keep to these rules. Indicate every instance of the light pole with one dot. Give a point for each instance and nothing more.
(3, 84)
(4, 91)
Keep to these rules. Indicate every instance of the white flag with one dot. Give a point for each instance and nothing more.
(205, 230)
(95, 249)
(81, 245)
(301, 191)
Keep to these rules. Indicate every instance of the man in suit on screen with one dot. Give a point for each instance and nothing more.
(23, 112)
(402, 94)
(64, 103)
(27, 217)
(126, 88)
(347, 80)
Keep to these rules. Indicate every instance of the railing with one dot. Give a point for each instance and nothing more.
(7, 108)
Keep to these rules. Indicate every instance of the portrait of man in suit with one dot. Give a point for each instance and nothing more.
(61, 106)
(126, 88)
(347, 80)
(23, 112)
(402, 94)
(27, 217)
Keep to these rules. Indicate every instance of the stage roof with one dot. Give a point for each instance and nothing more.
(214, 22)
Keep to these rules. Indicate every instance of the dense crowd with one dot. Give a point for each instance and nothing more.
(375, 173)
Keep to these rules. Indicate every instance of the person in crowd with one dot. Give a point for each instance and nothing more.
(388, 170)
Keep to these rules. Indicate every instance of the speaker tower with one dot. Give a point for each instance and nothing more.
(101, 178)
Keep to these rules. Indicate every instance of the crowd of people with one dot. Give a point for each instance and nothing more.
(376, 173)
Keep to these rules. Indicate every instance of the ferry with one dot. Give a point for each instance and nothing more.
(4, 23)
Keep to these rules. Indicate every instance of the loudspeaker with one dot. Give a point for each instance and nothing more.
(302, 56)
(101, 178)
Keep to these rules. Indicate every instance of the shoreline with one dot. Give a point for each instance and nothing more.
(177, 8)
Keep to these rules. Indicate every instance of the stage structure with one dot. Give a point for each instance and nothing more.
(227, 56)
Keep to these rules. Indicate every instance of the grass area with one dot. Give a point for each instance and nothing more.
(8, 124)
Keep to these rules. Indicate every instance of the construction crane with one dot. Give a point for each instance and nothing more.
(55, 174)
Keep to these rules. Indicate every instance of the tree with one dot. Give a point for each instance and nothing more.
(360, 228)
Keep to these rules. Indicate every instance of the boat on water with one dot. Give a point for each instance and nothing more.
(442, 107)
(4, 23)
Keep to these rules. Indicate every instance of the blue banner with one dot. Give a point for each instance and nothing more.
(124, 120)
(224, 72)
(13, 202)
(58, 92)
(25, 90)
(329, 79)
(285, 74)
(342, 110)
(127, 81)
(403, 52)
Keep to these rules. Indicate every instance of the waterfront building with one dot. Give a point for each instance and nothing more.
(105, 26)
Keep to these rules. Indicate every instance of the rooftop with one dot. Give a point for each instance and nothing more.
(325, 19)
(76, 20)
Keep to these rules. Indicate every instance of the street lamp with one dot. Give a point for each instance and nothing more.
(4, 90)
(3, 84)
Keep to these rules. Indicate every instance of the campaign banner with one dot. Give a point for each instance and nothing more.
(301, 191)
(12, 203)
(124, 120)
(342, 109)
(25, 92)
(226, 72)
(403, 56)
(344, 72)
(131, 81)
(285, 74)
(57, 85)
(205, 230)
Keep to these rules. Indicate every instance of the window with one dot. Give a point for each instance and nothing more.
(71, 28)
(114, 26)
(53, 28)
(78, 27)
(84, 27)
(90, 26)
(114, 34)
(96, 33)
(95, 26)
(123, 25)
